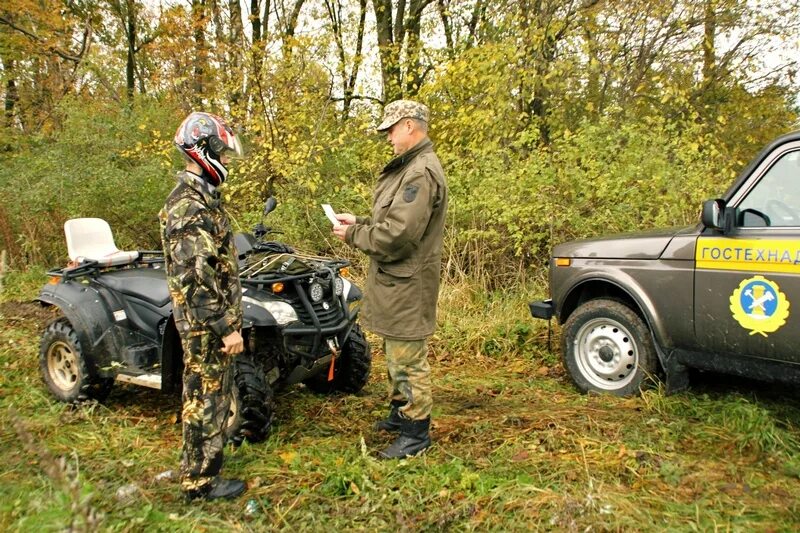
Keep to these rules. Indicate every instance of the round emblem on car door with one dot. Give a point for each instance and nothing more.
(759, 305)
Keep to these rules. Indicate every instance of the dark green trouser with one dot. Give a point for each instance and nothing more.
(205, 410)
(409, 376)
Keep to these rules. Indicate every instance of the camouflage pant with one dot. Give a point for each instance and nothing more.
(410, 376)
(205, 410)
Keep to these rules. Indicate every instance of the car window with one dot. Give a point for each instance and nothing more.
(775, 199)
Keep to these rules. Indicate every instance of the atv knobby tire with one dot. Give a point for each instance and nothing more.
(64, 367)
(252, 404)
(351, 369)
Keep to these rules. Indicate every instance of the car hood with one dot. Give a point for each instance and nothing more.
(640, 245)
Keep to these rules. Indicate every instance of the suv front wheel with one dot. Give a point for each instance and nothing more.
(607, 347)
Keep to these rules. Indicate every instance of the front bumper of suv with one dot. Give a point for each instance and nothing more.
(543, 309)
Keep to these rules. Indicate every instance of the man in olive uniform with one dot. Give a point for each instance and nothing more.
(203, 281)
(403, 238)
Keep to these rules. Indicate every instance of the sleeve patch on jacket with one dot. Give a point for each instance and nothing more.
(410, 194)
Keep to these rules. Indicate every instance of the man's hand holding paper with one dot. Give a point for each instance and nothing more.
(342, 220)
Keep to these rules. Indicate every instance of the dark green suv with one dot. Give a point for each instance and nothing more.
(719, 295)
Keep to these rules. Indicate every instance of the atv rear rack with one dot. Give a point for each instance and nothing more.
(91, 267)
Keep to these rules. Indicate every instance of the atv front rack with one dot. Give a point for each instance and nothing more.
(258, 271)
(317, 321)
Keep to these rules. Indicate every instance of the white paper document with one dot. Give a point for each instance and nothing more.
(330, 213)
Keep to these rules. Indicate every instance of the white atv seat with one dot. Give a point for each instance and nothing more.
(91, 239)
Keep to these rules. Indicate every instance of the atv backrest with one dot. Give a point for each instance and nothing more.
(91, 238)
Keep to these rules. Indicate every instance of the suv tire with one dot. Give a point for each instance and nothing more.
(608, 348)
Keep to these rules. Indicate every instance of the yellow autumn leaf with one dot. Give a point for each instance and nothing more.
(518, 367)
(288, 457)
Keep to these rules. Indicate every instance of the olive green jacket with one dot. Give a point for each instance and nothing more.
(403, 239)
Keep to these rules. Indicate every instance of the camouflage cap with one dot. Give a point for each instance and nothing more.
(403, 109)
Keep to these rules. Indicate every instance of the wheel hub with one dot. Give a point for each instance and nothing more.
(62, 364)
(606, 353)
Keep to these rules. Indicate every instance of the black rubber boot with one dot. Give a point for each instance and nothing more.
(227, 489)
(394, 421)
(414, 437)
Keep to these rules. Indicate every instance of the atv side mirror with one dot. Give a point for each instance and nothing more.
(270, 205)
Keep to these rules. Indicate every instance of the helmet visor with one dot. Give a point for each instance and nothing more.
(234, 149)
(230, 147)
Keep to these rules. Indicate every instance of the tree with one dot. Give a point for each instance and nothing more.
(544, 28)
(457, 17)
(399, 32)
(43, 44)
(137, 35)
(337, 17)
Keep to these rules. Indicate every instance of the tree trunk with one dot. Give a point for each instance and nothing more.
(709, 48)
(334, 9)
(443, 7)
(350, 86)
(478, 12)
(236, 47)
(388, 50)
(201, 54)
(413, 69)
(255, 19)
(289, 29)
(12, 94)
(130, 64)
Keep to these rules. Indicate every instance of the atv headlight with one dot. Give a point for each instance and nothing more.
(338, 286)
(315, 292)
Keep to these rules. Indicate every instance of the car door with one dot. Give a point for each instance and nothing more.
(747, 281)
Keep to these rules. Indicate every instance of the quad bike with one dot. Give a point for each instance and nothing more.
(116, 323)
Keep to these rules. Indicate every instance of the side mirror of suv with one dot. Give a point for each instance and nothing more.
(713, 215)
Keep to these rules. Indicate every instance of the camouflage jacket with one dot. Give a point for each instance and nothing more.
(403, 238)
(202, 271)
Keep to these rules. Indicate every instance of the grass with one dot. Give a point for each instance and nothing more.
(516, 448)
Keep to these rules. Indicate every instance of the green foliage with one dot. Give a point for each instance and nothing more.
(22, 285)
(603, 178)
(108, 163)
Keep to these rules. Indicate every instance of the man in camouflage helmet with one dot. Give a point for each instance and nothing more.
(203, 281)
(403, 238)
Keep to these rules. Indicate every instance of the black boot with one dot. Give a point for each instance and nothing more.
(394, 421)
(219, 488)
(414, 437)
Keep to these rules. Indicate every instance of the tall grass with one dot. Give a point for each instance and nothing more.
(516, 448)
